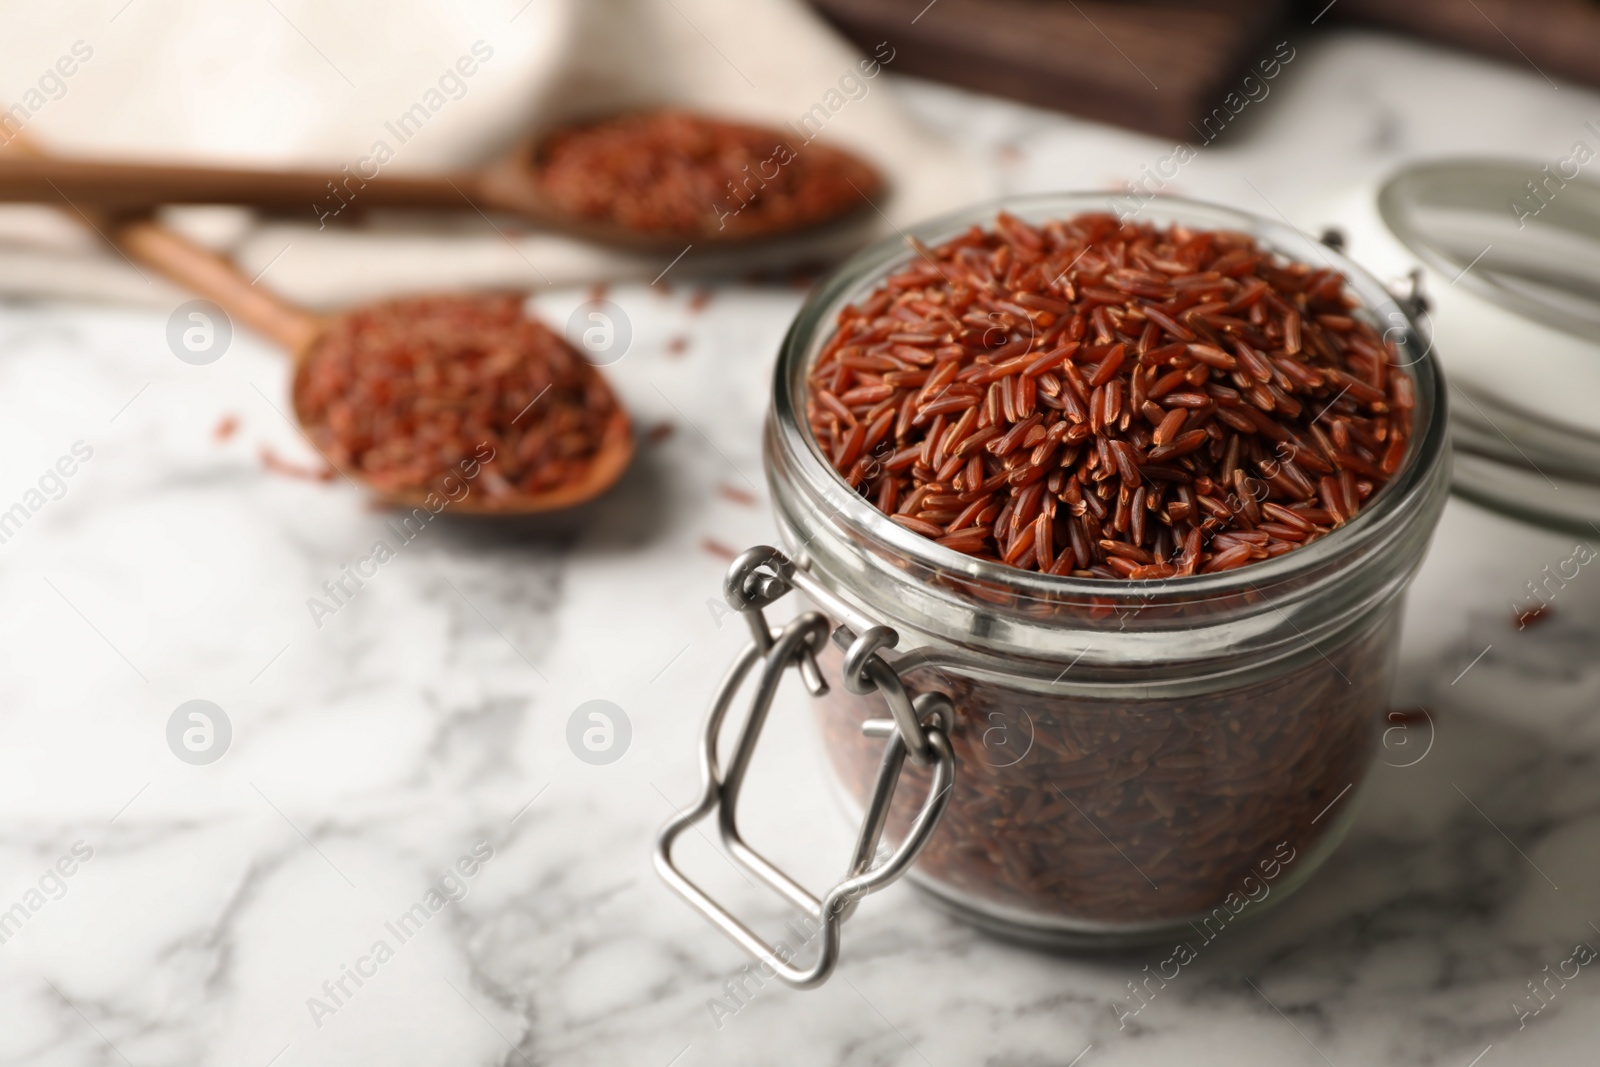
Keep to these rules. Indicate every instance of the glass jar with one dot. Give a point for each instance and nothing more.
(1131, 758)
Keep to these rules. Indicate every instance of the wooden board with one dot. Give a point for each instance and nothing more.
(1153, 66)
(1553, 38)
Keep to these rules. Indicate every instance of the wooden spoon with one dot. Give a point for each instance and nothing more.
(508, 184)
(298, 330)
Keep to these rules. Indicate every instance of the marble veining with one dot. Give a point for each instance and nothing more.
(224, 906)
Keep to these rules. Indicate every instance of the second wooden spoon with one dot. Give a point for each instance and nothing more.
(299, 330)
(679, 161)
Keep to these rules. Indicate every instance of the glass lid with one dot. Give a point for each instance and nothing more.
(1513, 253)
(1530, 236)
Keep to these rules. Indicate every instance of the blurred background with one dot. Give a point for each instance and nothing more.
(253, 763)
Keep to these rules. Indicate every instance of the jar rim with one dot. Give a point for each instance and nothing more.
(814, 324)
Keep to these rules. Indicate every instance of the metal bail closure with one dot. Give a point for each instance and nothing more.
(919, 727)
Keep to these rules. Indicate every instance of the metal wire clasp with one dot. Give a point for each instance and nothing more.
(919, 727)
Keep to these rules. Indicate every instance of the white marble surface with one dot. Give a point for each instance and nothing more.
(430, 715)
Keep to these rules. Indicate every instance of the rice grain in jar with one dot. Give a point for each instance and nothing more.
(1130, 757)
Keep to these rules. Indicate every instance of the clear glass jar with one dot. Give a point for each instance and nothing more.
(1132, 757)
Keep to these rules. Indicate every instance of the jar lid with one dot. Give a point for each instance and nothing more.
(1530, 238)
(1511, 250)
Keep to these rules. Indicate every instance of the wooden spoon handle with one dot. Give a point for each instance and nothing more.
(130, 185)
(188, 264)
(215, 278)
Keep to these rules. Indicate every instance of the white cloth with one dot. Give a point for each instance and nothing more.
(302, 82)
